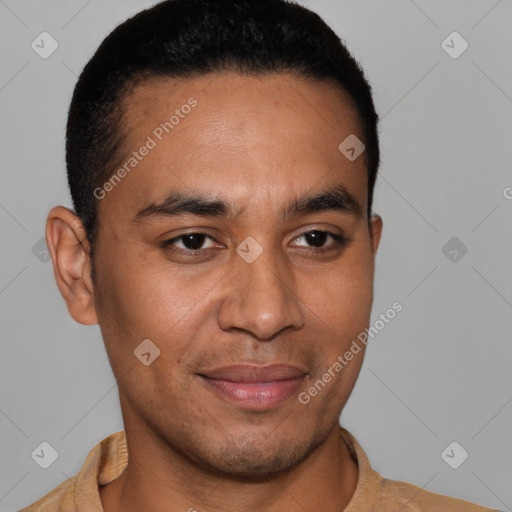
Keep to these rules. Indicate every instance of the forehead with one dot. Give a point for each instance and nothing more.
(231, 94)
(240, 136)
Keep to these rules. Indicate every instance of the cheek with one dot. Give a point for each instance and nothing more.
(341, 308)
(342, 297)
(140, 299)
(140, 288)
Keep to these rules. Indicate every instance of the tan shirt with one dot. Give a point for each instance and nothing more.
(109, 458)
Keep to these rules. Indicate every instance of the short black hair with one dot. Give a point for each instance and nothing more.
(188, 38)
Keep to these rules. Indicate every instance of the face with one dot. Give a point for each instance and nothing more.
(238, 243)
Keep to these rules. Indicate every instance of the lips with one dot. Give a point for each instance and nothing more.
(254, 387)
(253, 373)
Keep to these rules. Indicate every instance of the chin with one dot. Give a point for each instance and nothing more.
(246, 461)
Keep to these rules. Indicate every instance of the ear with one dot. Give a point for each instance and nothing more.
(376, 231)
(69, 249)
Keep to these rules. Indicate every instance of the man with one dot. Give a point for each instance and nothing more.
(222, 157)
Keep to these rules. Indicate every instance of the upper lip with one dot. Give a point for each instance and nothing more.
(254, 373)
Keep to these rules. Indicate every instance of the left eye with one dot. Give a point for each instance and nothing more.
(317, 238)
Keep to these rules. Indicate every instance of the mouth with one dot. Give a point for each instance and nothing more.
(254, 387)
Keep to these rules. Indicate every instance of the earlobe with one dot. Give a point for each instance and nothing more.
(376, 227)
(69, 250)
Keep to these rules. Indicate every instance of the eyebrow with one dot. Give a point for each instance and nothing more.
(336, 198)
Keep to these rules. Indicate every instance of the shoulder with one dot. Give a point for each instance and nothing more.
(105, 462)
(375, 492)
(415, 499)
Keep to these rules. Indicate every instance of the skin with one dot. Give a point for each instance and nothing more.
(255, 143)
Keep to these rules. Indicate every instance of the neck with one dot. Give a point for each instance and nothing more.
(325, 481)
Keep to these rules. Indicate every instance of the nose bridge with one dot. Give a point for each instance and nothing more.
(262, 299)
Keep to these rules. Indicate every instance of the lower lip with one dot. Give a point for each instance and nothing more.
(255, 395)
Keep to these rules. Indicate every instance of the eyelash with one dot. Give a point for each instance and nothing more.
(339, 241)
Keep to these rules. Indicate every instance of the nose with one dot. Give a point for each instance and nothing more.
(261, 298)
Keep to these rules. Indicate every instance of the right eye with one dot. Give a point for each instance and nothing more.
(190, 242)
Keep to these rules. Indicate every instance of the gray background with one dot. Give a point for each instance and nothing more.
(439, 372)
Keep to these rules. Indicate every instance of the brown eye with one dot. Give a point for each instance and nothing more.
(193, 241)
(317, 239)
(190, 242)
